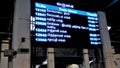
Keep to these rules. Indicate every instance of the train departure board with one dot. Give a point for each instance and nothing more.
(62, 24)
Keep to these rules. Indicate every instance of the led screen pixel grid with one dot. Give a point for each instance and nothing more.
(62, 25)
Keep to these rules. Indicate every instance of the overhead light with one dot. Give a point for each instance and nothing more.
(37, 66)
(44, 62)
(109, 27)
(113, 2)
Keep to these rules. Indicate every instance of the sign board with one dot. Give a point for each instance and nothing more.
(61, 24)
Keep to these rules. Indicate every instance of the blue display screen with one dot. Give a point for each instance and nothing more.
(61, 25)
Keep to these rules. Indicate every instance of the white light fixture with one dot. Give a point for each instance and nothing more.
(44, 62)
(37, 66)
(109, 27)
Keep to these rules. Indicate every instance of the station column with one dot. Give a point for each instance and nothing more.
(21, 34)
(107, 48)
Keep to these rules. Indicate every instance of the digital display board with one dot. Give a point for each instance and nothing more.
(60, 24)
